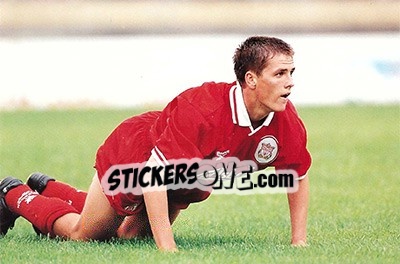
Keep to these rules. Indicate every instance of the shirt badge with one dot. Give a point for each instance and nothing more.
(267, 150)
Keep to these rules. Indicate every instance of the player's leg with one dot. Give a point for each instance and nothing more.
(98, 219)
(138, 225)
(49, 187)
(56, 217)
(7, 217)
(18, 199)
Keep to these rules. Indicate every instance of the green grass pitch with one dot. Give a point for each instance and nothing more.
(354, 214)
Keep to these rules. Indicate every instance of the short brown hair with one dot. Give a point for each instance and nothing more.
(255, 52)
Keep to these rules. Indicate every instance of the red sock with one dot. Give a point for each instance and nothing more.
(41, 211)
(66, 193)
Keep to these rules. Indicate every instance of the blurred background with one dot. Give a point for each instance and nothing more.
(56, 54)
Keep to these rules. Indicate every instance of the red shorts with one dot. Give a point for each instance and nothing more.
(131, 143)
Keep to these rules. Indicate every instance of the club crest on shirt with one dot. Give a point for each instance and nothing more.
(267, 150)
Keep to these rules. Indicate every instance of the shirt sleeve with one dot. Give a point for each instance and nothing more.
(299, 160)
(303, 159)
(298, 156)
(184, 133)
(305, 163)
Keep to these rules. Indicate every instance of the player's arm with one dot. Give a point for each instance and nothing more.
(157, 210)
(298, 207)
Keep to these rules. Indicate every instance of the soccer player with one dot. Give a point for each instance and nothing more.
(250, 119)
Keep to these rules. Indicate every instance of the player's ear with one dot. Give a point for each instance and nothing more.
(251, 79)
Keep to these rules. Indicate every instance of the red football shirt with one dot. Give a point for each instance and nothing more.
(203, 122)
(212, 121)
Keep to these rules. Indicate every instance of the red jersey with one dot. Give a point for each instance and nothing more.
(203, 122)
(212, 121)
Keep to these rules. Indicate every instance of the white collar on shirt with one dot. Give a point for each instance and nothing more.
(240, 115)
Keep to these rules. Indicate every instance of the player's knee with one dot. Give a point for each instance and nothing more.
(72, 226)
(78, 236)
(86, 232)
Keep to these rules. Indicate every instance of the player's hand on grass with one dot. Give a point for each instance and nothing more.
(168, 249)
(299, 243)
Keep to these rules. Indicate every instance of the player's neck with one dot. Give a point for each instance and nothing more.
(257, 112)
(257, 123)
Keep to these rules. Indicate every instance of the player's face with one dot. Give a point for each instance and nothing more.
(275, 82)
